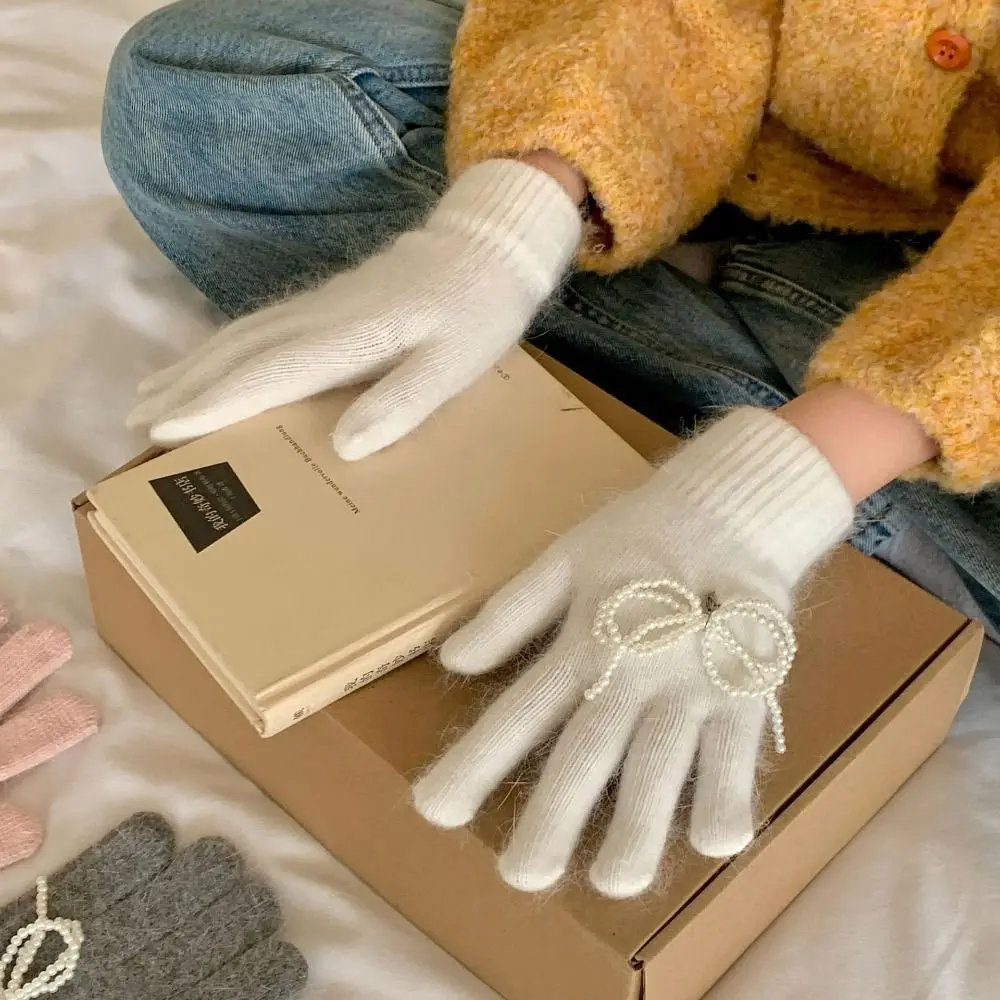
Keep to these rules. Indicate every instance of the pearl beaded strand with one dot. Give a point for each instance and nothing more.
(689, 615)
(23, 948)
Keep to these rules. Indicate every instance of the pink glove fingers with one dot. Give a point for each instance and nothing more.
(31, 654)
(44, 729)
(20, 835)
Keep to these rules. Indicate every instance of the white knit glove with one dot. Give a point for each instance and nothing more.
(674, 641)
(429, 315)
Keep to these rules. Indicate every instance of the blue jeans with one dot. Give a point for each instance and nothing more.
(263, 144)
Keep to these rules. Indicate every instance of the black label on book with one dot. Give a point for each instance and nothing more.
(206, 503)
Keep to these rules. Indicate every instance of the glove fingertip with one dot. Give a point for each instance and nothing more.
(80, 715)
(21, 834)
(176, 430)
(524, 877)
(147, 411)
(48, 640)
(155, 382)
(354, 439)
(620, 880)
(352, 447)
(462, 654)
(135, 419)
(723, 843)
(449, 812)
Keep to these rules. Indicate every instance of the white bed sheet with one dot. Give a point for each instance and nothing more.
(910, 911)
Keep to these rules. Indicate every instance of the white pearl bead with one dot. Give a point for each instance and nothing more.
(24, 946)
(705, 615)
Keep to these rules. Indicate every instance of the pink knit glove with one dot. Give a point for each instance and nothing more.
(37, 731)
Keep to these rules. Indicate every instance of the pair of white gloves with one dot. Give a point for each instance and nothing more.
(674, 598)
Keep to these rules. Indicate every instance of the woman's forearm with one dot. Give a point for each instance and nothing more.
(867, 442)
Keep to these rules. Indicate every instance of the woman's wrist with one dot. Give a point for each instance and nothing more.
(867, 442)
(560, 170)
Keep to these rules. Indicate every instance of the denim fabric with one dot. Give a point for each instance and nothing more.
(264, 145)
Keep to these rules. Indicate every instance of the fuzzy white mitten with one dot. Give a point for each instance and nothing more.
(428, 316)
(675, 641)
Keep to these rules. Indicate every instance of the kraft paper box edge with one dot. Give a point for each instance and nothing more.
(545, 951)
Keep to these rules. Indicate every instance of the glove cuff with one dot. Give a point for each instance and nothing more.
(767, 487)
(517, 214)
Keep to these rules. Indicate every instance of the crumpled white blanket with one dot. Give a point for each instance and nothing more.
(910, 911)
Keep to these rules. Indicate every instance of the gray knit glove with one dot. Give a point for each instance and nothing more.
(132, 917)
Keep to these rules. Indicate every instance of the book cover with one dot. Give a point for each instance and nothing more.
(297, 577)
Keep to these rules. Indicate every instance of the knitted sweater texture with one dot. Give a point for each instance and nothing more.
(829, 112)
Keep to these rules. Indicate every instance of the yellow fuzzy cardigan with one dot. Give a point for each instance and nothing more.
(830, 112)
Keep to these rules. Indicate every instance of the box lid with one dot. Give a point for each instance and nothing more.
(841, 679)
(865, 633)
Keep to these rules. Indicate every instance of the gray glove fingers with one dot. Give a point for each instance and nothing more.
(271, 970)
(219, 935)
(182, 956)
(127, 858)
(199, 874)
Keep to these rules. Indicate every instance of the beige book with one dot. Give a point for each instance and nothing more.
(297, 577)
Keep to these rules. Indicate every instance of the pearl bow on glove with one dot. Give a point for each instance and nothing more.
(760, 678)
(715, 544)
(427, 317)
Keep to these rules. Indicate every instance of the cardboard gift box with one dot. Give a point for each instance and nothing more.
(882, 670)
